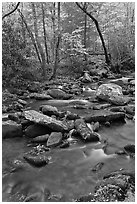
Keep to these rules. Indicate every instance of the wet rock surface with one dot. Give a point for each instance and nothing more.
(54, 139)
(58, 94)
(49, 110)
(104, 116)
(114, 187)
(85, 133)
(111, 93)
(41, 119)
(38, 161)
(11, 129)
(35, 130)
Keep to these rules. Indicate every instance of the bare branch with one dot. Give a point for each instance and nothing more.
(11, 11)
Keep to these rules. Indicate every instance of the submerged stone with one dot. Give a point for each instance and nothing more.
(38, 161)
(11, 129)
(97, 167)
(130, 148)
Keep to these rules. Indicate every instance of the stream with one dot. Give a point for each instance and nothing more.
(68, 174)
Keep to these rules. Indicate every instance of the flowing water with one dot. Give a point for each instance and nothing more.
(69, 174)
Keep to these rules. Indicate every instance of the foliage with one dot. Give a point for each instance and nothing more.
(19, 57)
(14, 50)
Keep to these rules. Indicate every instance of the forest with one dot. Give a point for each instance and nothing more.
(68, 101)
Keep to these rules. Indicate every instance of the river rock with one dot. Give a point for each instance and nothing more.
(69, 124)
(104, 116)
(132, 82)
(64, 144)
(96, 126)
(5, 117)
(22, 102)
(101, 106)
(117, 109)
(15, 117)
(36, 117)
(130, 148)
(38, 161)
(58, 94)
(42, 96)
(11, 129)
(97, 167)
(113, 188)
(86, 78)
(36, 130)
(111, 93)
(130, 110)
(54, 139)
(49, 110)
(85, 133)
(72, 116)
(41, 138)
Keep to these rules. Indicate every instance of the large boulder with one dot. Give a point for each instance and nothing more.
(52, 123)
(54, 139)
(117, 186)
(58, 94)
(36, 130)
(111, 93)
(85, 133)
(11, 129)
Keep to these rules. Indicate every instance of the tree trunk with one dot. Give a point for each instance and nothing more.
(43, 63)
(31, 35)
(54, 28)
(85, 34)
(99, 31)
(44, 30)
(57, 46)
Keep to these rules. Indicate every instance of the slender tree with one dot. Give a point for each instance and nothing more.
(84, 9)
(44, 31)
(57, 46)
(31, 35)
(43, 59)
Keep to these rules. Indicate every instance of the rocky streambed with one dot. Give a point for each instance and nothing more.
(70, 142)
